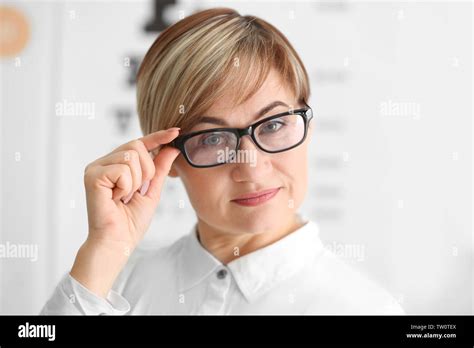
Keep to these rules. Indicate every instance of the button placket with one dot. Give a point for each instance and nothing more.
(218, 288)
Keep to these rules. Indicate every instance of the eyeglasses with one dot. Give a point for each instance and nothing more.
(213, 147)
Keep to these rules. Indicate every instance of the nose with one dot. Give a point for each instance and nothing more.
(252, 165)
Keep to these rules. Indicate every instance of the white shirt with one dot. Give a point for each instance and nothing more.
(294, 275)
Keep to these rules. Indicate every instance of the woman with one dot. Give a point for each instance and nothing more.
(222, 99)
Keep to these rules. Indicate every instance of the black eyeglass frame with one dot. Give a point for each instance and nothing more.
(306, 113)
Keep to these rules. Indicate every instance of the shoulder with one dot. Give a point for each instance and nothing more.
(349, 290)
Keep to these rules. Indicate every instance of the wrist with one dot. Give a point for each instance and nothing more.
(98, 263)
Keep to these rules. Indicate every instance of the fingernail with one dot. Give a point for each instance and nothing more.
(173, 129)
(144, 188)
(128, 198)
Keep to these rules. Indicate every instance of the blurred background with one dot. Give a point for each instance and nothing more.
(391, 159)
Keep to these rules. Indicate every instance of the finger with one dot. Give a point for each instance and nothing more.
(154, 140)
(163, 162)
(130, 158)
(117, 177)
(143, 146)
(146, 161)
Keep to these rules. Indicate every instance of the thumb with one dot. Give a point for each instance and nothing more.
(163, 162)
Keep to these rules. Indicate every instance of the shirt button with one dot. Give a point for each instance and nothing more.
(222, 274)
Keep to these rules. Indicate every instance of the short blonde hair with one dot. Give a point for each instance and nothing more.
(196, 60)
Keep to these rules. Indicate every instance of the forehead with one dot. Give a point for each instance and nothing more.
(273, 88)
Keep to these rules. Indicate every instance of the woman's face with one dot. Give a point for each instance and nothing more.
(212, 190)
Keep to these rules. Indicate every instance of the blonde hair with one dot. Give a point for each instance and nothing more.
(196, 60)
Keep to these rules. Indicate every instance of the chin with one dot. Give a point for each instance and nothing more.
(259, 221)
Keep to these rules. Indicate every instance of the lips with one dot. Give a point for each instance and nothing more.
(256, 198)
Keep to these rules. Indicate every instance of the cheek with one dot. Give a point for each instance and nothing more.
(292, 167)
(204, 193)
(294, 163)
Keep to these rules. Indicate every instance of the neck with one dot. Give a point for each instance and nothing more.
(227, 247)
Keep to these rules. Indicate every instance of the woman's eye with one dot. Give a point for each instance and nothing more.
(212, 140)
(272, 126)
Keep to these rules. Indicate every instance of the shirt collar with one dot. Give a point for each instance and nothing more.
(256, 272)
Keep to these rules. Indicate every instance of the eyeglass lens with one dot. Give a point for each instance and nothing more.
(273, 135)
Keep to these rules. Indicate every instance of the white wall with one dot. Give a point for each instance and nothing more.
(29, 157)
(394, 186)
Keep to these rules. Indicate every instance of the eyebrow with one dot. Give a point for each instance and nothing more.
(221, 122)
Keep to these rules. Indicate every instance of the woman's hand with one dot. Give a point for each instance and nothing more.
(120, 204)
(123, 190)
